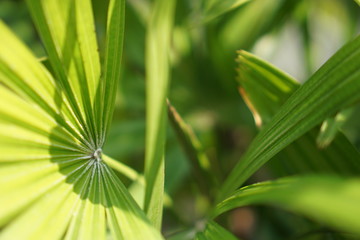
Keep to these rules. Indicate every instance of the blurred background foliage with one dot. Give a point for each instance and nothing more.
(297, 36)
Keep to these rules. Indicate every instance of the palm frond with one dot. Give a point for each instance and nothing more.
(332, 88)
(52, 170)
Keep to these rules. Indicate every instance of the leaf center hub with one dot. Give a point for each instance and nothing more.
(97, 155)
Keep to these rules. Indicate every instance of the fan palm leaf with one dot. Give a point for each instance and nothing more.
(54, 181)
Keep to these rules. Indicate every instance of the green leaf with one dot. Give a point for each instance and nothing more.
(33, 164)
(20, 71)
(89, 57)
(194, 150)
(214, 231)
(331, 200)
(54, 182)
(157, 80)
(138, 185)
(56, 23)
(38, 133)
(83, 196)
(331, 126)
(265, 88)
(122, 168)
(332, 88)
(304, 156)
(88, 45)
(113, 54)
(215, 8)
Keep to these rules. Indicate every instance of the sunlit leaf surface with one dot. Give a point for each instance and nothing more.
(54, 182)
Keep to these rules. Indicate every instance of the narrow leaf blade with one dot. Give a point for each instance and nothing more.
(112, 65)
(157, 76)
(218, 7)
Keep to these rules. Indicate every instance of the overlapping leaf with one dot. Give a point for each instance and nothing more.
(265, 89)
(332, 88)
(331, 126)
